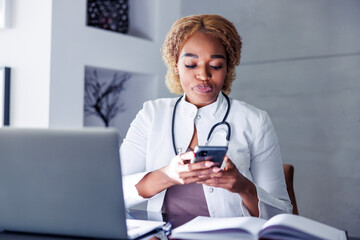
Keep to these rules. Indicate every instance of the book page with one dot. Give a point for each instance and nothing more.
(136, 228)
(301, 225)
(209, 225)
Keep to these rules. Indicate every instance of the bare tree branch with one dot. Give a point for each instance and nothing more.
(102, 100)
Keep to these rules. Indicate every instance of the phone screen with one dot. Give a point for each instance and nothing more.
(215, 154)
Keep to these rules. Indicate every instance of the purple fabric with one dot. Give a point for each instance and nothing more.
(186, 199)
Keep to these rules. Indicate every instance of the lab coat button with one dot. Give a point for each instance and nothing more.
(198, 116)
(211, 190)
(179, 150)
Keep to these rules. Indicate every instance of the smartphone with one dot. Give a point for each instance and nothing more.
(215, 154)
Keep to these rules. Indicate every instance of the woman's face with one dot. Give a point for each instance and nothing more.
(202, 68)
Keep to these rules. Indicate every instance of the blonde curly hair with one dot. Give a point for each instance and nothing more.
(184, 28)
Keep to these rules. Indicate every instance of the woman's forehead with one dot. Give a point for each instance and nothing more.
(200, 44)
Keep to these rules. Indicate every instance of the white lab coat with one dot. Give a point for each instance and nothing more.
(253, 148)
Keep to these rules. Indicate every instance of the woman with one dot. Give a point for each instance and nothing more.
(201, 53)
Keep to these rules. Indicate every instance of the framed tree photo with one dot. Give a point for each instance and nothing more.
(4, 96)
(102, 93)
(113, 97)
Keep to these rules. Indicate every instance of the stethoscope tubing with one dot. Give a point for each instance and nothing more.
(223, 122)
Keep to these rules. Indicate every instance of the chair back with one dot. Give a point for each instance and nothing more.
(289, 179)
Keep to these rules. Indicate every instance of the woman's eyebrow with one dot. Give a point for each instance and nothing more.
(196, 56)
(190, 55)
(217, 56)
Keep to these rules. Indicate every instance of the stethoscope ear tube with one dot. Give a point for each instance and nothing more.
(218, 124)
(173, 124)
(212, 128)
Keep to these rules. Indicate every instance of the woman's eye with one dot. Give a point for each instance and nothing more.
(190, 66)
(216, 67)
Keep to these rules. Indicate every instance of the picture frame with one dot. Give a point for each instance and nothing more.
(112, 97)
(5, 73)
(4, 14)
(109, 15)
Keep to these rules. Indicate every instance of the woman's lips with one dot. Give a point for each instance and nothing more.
(203, 88)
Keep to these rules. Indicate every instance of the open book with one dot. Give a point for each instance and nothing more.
(282, 226)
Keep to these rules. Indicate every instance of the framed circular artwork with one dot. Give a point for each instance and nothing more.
(108, 14)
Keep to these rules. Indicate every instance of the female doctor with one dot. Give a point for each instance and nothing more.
(201, 53)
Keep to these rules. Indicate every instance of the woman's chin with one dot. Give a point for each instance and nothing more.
(203, 100)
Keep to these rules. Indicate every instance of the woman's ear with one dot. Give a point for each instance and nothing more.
(176, 70)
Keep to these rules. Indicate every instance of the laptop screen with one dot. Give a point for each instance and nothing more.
(61, 181)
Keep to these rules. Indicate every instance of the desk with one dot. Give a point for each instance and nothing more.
(176, 220)
(131, 213)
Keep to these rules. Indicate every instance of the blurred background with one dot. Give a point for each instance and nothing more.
(300, 63)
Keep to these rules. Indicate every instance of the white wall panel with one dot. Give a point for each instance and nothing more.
(75, 45)
(25, 47)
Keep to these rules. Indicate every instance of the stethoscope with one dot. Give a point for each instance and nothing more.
(223, 122)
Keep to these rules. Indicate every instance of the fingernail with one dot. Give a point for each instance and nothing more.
(209, 164)
(216, 169)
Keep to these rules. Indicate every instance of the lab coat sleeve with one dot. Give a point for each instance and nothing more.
(133, 156)
(267, 172)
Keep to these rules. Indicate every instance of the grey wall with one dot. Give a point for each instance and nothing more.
(301, 63)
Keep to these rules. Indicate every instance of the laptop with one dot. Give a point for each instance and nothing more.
(64, 182)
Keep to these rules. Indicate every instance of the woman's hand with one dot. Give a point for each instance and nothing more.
(181, 171)
(231, 179)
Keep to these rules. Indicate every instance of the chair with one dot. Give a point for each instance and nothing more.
(289, 179)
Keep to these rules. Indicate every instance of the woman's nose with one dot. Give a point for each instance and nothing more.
(203, 74)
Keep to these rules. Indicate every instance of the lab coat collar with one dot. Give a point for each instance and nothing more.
(215, 109)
